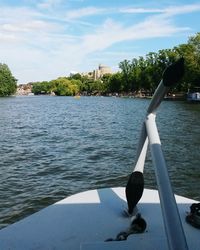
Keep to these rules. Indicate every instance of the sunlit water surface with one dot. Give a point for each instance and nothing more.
(52, 147)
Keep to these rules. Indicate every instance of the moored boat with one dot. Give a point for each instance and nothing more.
(193, 95)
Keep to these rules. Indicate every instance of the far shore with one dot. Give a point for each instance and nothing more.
(174, 96)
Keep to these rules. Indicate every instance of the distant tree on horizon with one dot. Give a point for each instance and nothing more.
(8, 83)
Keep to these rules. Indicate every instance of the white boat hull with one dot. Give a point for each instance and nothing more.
(86, 220)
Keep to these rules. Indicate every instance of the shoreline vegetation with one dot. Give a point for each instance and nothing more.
(139, 94)
(136, 78)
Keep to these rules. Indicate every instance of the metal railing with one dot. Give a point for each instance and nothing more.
(150, 136)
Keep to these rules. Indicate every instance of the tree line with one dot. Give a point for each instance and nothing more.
(143, 73)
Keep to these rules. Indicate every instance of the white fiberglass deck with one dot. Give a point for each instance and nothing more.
(86, 220)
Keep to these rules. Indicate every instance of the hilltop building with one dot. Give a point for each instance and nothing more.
(102, 70)
(98, 73)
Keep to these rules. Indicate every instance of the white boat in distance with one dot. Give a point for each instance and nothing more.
(118, 218)
(193, 95)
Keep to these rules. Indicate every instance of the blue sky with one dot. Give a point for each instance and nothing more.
(45, 39)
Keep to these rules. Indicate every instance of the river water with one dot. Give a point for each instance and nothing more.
(52, 147)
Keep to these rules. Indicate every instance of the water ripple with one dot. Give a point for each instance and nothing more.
(52, 147)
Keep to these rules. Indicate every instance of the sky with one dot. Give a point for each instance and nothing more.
(42, 40)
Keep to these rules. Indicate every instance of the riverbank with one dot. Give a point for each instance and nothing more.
(26, 90)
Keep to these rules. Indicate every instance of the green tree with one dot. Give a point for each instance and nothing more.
(37, 88)
(76, 76)
(98, 87)
(115, 83)
(65, 87)
(8, 83)
(194, 41)
(43, 87)
(153, 74)
(127, 75)
(77, 85)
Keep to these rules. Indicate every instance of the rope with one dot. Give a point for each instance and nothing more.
(138, 225)
(193, 218)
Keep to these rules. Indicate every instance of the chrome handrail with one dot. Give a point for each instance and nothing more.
(150, 136)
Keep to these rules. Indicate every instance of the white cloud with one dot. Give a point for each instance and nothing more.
(41, 46)
(79, 13)
(171, 10)
(28, 26)
(177, 10)
(140, 10)
(111, 32)
(48, 4)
